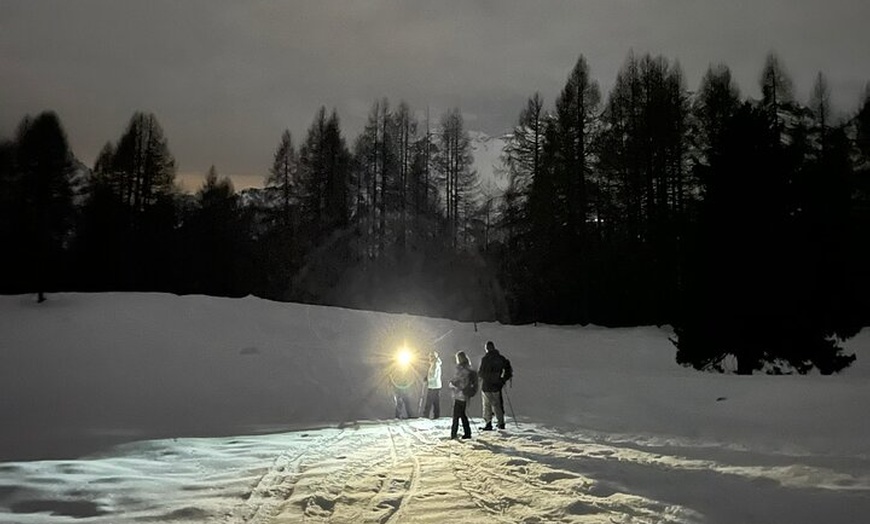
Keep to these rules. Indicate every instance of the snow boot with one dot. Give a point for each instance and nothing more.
(487, 427)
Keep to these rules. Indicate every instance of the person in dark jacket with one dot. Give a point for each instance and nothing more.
(494, 372)
(458, 384)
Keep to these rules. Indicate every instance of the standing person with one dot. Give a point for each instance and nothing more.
(402, 379)
(459, 384)
(433, 387)
(495, 370)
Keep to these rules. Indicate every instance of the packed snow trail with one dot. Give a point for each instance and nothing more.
(389, 472)
(407, 471)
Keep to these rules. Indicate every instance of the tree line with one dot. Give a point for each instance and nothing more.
(743, 223)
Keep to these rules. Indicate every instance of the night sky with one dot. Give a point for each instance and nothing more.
(226, 78)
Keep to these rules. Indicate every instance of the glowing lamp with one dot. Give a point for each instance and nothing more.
(404, 357)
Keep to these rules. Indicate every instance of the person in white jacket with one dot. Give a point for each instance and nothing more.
(433, 387)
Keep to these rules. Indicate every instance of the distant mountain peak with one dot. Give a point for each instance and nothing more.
(487, 151)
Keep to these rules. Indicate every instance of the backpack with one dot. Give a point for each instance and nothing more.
(507, 370)
(473, 384)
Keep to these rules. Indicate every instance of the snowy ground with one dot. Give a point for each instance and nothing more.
(156, 408)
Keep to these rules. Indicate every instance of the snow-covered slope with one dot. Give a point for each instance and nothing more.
(272, 412)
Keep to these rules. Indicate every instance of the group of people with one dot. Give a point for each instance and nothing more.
(490, 378)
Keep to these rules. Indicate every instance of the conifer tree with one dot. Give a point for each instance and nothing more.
(524, 151)
(215, 238)
(769, 286)
(577, 113)
(717, 99)
(527, 207)
(643, 167)
(282, 182)
(134, 183)
(43, 161)
(324, 172)
(143, 164)
(453, 161)
(777, 92)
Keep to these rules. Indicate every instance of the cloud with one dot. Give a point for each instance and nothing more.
(226, 78)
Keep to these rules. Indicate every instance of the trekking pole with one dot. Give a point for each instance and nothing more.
(422, 399)
(510, 405)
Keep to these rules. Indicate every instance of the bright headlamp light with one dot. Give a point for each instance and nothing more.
(404, 357)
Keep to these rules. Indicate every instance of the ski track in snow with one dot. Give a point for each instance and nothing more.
(276, 485)
(386, 473)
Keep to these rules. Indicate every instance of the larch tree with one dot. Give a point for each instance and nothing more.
(283, 179)
(43, 161)
(577, 115)
(454, 162)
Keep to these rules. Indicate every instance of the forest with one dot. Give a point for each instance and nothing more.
(743, 223)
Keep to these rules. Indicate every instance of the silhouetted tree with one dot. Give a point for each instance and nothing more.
(860, 127)
(577, 114)
(453, 162)
(324, 170)
(644, 192)
(820, 104)
(10, 218)
(423, 198)
(405, 131)
(717, 99)
(279, 243)
(523, 160)
(214, 239)
(143, 165)
(130, 218)
(283, 180)
(43, 162)
(777, 91)
(365, 172)
(769, 292)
